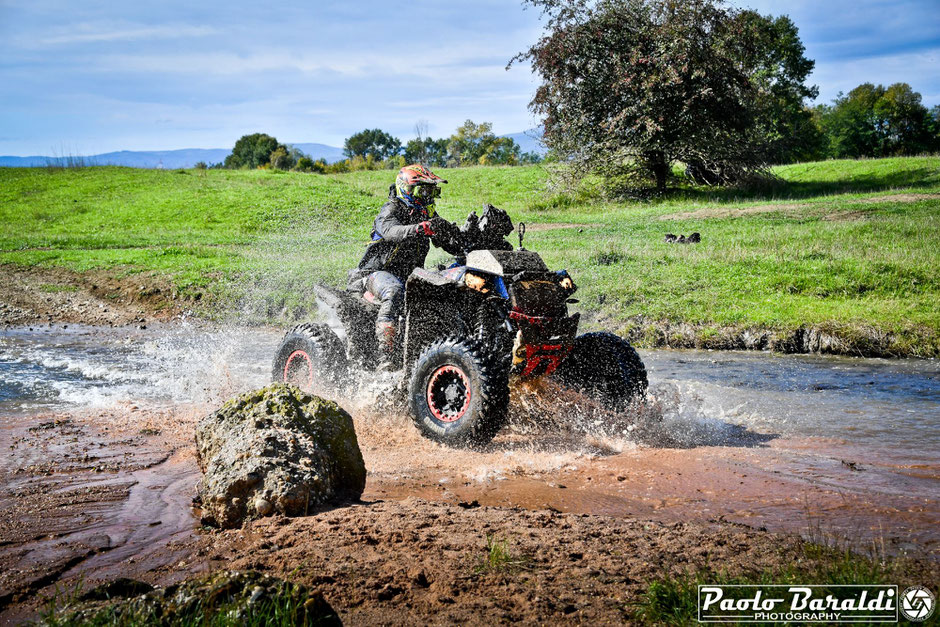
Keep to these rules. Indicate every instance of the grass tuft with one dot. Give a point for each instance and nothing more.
(499, 558)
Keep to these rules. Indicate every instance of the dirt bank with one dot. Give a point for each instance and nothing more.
(832, 338)
(55, 295)
(38, 295)
(415, 561)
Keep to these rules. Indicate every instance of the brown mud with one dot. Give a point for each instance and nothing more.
(585, 522)
(37, 295)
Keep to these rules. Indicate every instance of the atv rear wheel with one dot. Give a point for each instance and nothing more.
(458, 394)
(313, 358)
(604, 367)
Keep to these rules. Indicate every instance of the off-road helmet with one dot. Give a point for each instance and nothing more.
(419, 186)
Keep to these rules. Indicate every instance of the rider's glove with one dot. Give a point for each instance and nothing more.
(439, 224)
(424, 228)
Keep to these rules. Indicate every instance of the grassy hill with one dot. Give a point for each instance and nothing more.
(840, 255)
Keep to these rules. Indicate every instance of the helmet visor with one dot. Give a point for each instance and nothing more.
(426, 194)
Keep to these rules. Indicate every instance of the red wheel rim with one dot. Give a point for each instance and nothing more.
(448, 393)
(297, 358)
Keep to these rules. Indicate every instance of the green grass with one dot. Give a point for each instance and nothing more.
(499, 558)
(216, 600)
(834, 245)
(52, 288)
(673, 599)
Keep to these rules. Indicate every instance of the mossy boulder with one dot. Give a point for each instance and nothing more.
(276, 450)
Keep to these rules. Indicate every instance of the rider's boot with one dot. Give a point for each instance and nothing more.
(385, 333)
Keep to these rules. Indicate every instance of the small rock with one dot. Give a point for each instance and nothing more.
(263, 506)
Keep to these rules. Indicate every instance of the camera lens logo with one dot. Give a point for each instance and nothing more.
(917, 603)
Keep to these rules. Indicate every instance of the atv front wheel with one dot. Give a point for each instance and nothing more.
(604, 367)
(458, 394)
(313, 358)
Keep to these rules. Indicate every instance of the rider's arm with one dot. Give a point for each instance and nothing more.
(447, 236)
(390, 228)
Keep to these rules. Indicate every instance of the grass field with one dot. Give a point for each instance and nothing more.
(850, 249)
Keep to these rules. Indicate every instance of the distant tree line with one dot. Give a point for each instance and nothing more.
(374, 149)
(875, 121)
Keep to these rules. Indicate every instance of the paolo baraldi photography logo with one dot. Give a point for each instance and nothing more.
(813, 604)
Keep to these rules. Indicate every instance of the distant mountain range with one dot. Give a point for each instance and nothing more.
(529, 141)
(171, 159)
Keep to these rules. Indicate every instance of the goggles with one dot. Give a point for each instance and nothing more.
(426, 194)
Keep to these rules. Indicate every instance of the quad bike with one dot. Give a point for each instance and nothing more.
(468, 331)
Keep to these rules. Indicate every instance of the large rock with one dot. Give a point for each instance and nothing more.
(276, 449)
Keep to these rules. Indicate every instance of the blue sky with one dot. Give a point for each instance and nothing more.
(89, 77)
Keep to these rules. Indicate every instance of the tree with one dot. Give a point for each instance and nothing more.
(375, 142)
(631, 86)
(252, 151)
(419, 145)
(872, 121)
(281, 159)
(476, 144)
(304, 164)
(907, 129)
(427, 151)
(771, 55)
(933, 128)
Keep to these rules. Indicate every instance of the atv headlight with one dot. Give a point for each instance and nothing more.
(565, 281)
(476, 282)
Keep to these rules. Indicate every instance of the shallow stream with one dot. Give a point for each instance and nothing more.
(861, 431)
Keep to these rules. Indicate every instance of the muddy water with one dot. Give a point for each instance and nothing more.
(817, 445)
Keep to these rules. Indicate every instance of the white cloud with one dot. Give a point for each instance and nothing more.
(85, 33)
(441, 67)
(917, 69)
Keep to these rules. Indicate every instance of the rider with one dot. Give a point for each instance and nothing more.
(400, 243)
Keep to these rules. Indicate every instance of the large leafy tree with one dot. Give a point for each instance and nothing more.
(375, 142)
(631, 86)
(252, 151)
(769, 51)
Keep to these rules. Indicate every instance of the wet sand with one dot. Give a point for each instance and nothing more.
(92, 496)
